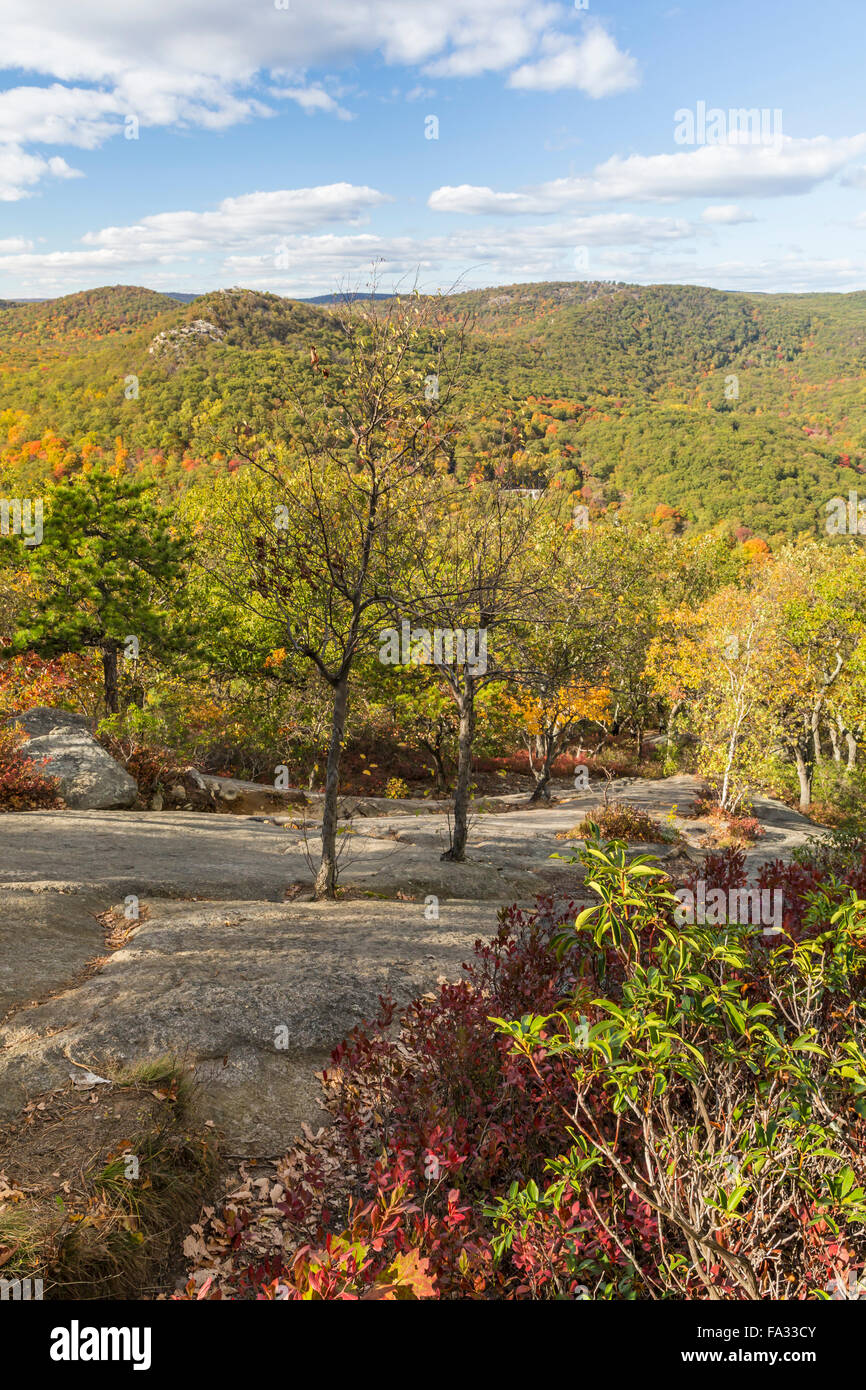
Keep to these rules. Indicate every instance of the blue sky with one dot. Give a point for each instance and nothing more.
(285, 144)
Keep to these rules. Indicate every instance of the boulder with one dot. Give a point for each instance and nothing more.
(89, 778)
(232, 794)
(42, 720)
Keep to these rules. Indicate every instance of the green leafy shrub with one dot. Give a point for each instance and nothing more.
(734, 1065)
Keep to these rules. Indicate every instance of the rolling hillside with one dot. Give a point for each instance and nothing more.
(698, 407)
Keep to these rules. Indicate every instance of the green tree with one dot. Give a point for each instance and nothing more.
(476, 575)
(324, 516)
(108, 574)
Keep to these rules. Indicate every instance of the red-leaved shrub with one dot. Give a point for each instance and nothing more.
(22, 786)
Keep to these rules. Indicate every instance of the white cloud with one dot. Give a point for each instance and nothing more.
(20, 172)
(311, 264)
(595, 66)
(793, 273)
(467, 197)
(253, 220)
(727, 215)
(236, 220)
(312, 99)
(101, 260)
(486, 36)
(188, 62)
(58, 115)
(725, 170)
(267, 240)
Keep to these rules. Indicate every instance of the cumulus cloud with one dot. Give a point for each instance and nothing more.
(727, 215)
(305, 264)
(312, 264)
(182, 63)
(725, 170)
(489, 37)
(210, 238)
(250, 216)
(58, 115)
(20, 172)
(595, 66)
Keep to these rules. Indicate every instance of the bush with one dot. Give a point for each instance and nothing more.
(622, 822)
(152, 768)
(396, 787)
(839, 797)
(607, 1106)
(736, 829)
(22, 786)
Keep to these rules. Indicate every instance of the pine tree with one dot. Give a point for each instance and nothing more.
(108, 570)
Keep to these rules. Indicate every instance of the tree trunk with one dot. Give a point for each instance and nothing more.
(433, 748)
(109, 676)
(816, 735)
(834, 741)
(804, 776)
(672, 717)
(441, 772)
(543, 773)
(460, 832)
(326, 879)
(539, 791)
(852, 751)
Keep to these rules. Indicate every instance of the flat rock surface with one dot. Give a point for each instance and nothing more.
(254, 995)
(223, 961)
(46, 939)
(200, 854)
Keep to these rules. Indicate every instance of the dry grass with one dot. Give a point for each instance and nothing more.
(99, 1185)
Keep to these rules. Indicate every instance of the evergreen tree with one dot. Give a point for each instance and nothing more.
(108, 570)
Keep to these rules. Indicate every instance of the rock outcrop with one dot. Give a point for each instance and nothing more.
(204, 791)
(89, 779)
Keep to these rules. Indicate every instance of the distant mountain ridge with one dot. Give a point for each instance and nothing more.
(716, 407)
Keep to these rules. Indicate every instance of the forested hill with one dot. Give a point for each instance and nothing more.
(694, 407)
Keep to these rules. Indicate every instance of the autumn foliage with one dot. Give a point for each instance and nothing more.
(504, 1137)
(22, 785)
